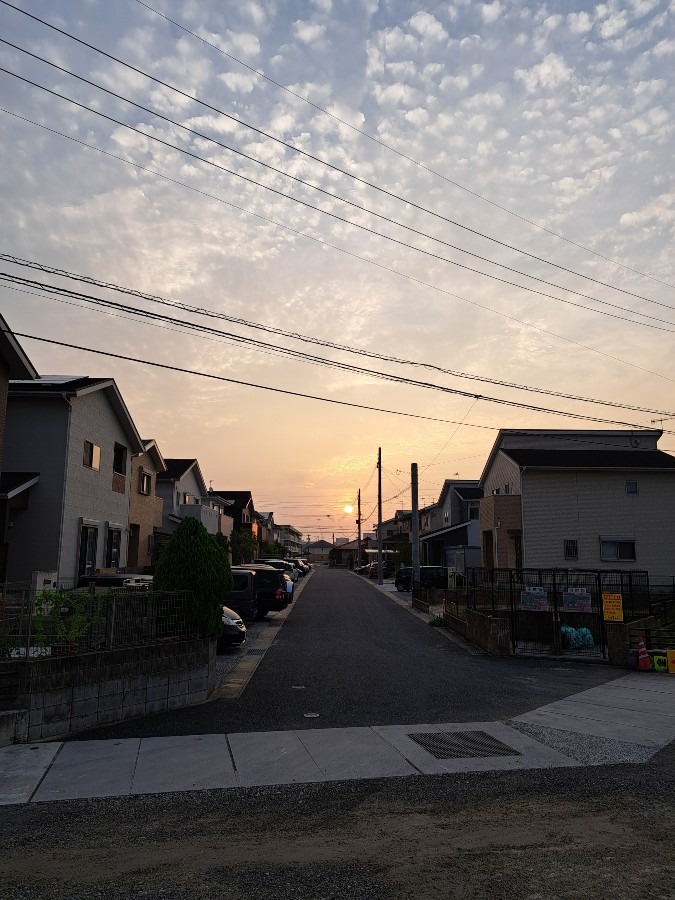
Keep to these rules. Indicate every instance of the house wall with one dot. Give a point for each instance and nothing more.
(145, 510)
(503, 471)
(172, 506)
(89, 494)
(36, 440)
(500, 521)
(584, 505)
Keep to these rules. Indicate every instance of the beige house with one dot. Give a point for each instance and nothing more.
(145, 507)
(579, 500)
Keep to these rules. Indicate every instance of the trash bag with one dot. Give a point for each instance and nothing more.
(576, 638)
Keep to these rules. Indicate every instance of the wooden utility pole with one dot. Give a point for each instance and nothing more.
(379, 516)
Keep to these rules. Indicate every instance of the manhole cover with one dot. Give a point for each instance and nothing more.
(461, 744)
(256, 652)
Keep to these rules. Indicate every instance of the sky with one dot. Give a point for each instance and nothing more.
(447, 193)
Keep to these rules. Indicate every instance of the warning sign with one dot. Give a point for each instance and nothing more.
(612, 607)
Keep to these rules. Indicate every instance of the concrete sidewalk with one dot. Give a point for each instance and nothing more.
(626, 720)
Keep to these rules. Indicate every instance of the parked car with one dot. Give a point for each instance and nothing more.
(298, 566)
(281, 564)
(430, 576)
(270, 587)
(290, 586)
(387, 569)
(142, 582)
(234, 630)
(243, 598)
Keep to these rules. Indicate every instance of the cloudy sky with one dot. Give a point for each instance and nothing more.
(482, 188)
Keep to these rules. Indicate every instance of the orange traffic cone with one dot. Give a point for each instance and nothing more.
(644, 661)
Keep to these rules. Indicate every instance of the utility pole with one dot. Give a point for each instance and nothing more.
(415, 524)
(379, 516)
(358, 522)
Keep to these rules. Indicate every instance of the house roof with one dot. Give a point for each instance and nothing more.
(151, 447)
(457, 484)
(12, 352)
(592, 459)
(238, 499)
(460, 533)
(77, 386)
(178, 468)
(14, 483)
(469, 493)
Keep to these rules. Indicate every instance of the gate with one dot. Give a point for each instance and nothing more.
(557, 611)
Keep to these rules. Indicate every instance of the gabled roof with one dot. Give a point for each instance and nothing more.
(12, 352)
(459, 484)
(592, 459)
(178, 468)
(157, 458)
(238, 499)
(77, 386)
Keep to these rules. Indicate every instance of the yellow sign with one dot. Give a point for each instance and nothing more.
(670, 655)
(612, 607)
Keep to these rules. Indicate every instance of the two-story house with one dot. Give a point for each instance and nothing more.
(78, 436)
(579, 499)
(449, 528)
(14, 485)
(183, 492)
(290, 537)
(145, 507)
(241, 510)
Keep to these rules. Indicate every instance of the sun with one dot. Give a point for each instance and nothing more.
(348, 508)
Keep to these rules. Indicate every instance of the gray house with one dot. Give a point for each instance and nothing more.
(579, 500)
(449, 529)
(78, 438)
(184, 493)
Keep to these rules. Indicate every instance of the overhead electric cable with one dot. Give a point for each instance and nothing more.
(402, 155)
(317, 360)
(354, 205)
(296, 150)
(413, 279)
(88, 298)
(562, 414)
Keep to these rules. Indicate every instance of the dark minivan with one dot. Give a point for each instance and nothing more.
(243, 597)
(270, 587)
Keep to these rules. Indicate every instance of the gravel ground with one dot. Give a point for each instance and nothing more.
(586, 749)
(559, 834)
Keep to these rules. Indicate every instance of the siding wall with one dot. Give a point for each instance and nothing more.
(89, 494)
(36, 440)
(144, 510)
(503, 471)
(583, 505)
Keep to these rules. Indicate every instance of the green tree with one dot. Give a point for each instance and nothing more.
(192, 561)
(244, 546)
(272, 550)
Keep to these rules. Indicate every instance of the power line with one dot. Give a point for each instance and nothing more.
(413, 279)
(350, 203)
(88, 298)
(402, 155)
(318, 360)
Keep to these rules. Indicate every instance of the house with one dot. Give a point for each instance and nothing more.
(239, 507)
(145, 507)
(291, 538)
(14, 486)
(317, 551)
(183, 492)
(266, 527)
(396, 530)
(579, 499)
(77, 436)
(449, 528)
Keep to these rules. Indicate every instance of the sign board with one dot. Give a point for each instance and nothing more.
(577, 600)
(612, 607)
(670, 657)
(534, 599)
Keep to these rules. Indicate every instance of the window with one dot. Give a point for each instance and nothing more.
(446, 516)
(92, 456)
(112, 552)
(474, 512)
(88, 541)
(145, 483)
(120, 459)
(617, 549)
(571, 549)
(507, 488)
(632, 487)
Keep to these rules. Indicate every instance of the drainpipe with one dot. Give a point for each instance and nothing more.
(496, 528)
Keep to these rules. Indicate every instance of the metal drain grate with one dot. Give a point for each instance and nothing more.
(461, 744)
(259, 651)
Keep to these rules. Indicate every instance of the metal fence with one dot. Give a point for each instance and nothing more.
(68, 622)
(556, 611)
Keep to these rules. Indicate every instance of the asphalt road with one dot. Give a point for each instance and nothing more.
(354, 656)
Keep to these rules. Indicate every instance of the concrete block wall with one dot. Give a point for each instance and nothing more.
(71, 694)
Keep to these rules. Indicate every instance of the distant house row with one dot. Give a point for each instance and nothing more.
(82, 492)
(555, 499)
